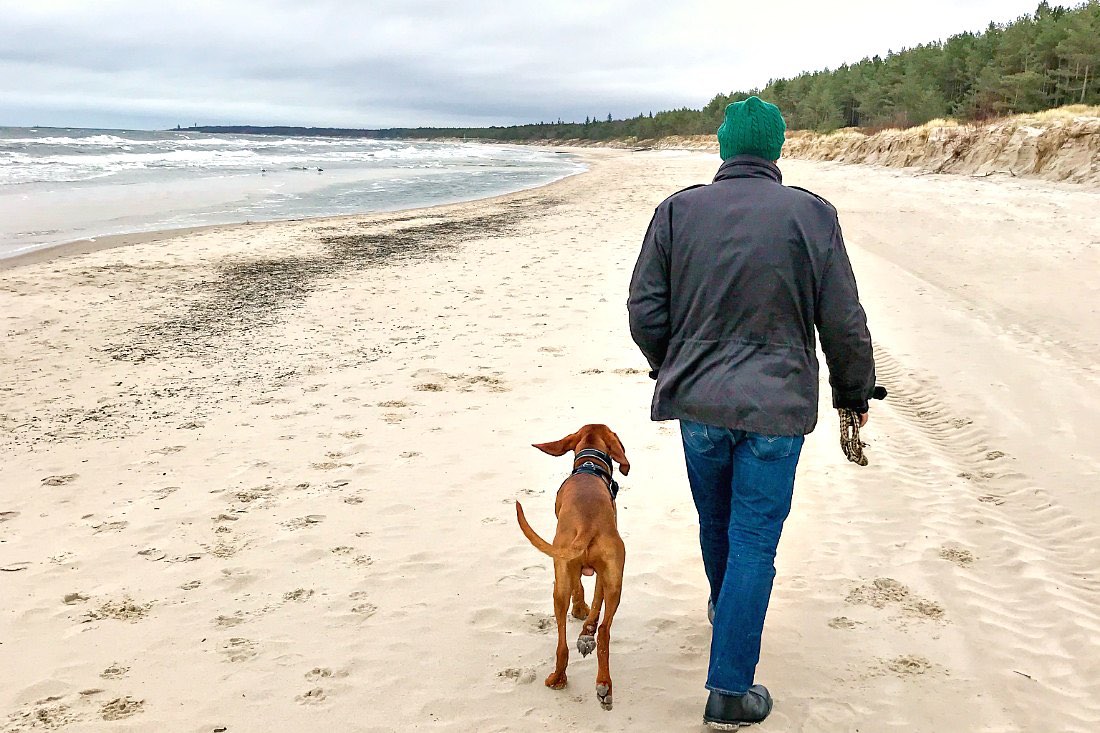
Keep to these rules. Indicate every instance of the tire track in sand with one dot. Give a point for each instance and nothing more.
(1034, 580)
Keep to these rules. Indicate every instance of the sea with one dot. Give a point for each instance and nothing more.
(66, 184)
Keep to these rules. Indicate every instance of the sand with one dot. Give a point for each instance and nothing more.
(261, 478)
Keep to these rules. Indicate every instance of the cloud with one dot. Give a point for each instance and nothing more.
(426, 62)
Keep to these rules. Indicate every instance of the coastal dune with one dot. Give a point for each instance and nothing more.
(262, 477)
(1056, 145)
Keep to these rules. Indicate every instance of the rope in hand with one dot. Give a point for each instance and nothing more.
(849, 431)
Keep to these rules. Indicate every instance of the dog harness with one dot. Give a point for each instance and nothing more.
(591, 468)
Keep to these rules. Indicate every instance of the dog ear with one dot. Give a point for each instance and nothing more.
(619, 454)
(558, 447)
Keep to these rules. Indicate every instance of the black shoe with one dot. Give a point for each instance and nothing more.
(729, 712)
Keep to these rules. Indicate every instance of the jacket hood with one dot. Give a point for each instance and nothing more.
(748, 166)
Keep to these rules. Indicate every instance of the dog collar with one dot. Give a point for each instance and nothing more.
(594, 470)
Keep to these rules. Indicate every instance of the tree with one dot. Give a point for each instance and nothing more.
(1080, 51)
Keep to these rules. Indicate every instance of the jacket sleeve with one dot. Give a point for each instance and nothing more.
(842, 324)
(648, 303)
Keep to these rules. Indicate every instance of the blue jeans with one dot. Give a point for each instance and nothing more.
(742, 485)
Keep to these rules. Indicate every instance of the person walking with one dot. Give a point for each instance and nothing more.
(732, 279)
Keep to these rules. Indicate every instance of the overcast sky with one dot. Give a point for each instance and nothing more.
(380, 63)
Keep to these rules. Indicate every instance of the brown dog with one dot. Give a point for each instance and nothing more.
(587, 541)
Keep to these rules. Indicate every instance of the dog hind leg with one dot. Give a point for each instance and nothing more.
(612, 574)
(603, 647)
(562, 590)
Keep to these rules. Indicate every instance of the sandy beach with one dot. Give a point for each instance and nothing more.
(262, 477)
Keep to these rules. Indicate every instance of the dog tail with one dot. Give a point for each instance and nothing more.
(572, 552)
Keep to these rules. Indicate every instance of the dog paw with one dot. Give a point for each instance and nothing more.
(580, 611)
(556, 681)
(586, 644)
(603, 692)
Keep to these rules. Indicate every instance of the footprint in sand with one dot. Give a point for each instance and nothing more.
(59, 480)
(259, 493)
(882, 592)
(329, 465)
(311, 697)
(224, 549)
(8, 516)
(429, 387)
(238, 649)
(523, 676)
(879, 592)
(366, 610)
(191, 585)
(72, 599)
(114, 672)
(165, 492)
(110, 526)
(298, 595)
(125, 609)
(908, 665)
(310, 520)
(48, 713)
(962, 558)
(226, 622)
(843, 622)
(121, 707)
(542, 622)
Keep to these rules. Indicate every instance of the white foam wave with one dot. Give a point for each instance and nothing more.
(59, 158)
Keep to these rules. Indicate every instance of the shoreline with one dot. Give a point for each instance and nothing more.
(90, 245)
(34, 253)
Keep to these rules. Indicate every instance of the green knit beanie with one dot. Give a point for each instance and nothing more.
(752, 127)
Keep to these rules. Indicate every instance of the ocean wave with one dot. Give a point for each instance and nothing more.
(55, 158)
(89, 140)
